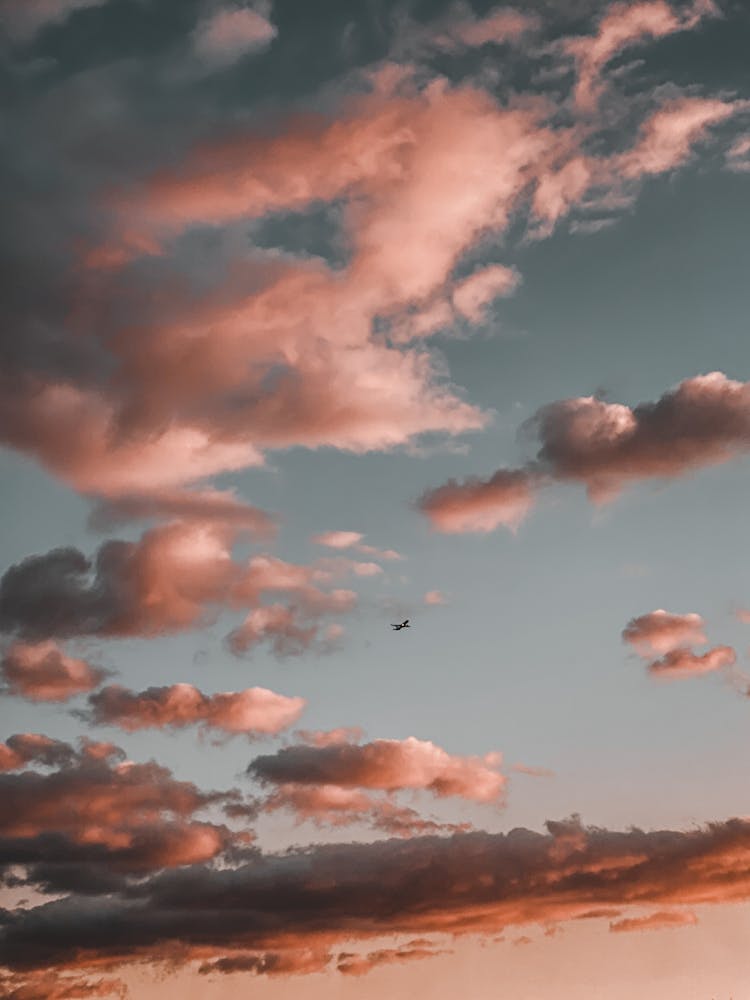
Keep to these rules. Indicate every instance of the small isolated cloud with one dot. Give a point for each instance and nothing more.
(252, 712)
(435, 597)
(473, 295)
(678, 663)
(480, 505)
(533, 772)
(660, 631)
(41, 671)
(655, 921)
(231, 33)
(353, 540)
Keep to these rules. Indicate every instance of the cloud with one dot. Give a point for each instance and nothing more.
(353, 964)
(655, 921)
(50, 986)
(353, 540)
(703, 421)
(43, 672)
(476, 883)
(480, 505)
(34, 748)
(209, 505)
(24, 19)
(434, 597)
(298, 963)
(231, 33)
(472, 296)
(668, 137)
(622, 26)
(173, 578)
(660, 631)
(387, 765)
(97, 814)
(678, 663)
(252, 712)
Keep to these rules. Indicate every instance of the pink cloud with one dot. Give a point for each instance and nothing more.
(434, 597)
(660, 631)
(207, 505)
(386, 765)
(679, 663)
(704, 420)
(252, 712)
(667, 138)
(738, 155)
(472, 296)
(43, 672)
(622, 26)
(232, 33)
(338, 539)
(175, 577)
(480, 505)
(498, 26)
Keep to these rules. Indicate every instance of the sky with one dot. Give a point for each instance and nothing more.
(319, 318)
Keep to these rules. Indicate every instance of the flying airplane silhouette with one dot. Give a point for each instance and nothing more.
(404, 624)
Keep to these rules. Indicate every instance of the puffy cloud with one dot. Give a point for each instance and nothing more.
(435, 597)
(171, 579)
(678, 663)
(388, 765)
(655, 921)
(660, 631)
(231, 33)
(252, 712)
(324, 738)
(703, 421)
(480, 504)
(98, 813)
(472, 296)
(163, 582)
(34, 748)
(43, 672)
(474, 883)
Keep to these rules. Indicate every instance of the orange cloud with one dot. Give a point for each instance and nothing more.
(655, 921)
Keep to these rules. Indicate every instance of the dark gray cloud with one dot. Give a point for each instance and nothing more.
(469, 883)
